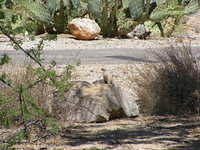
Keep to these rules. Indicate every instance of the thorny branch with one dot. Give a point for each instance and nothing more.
(20, 47)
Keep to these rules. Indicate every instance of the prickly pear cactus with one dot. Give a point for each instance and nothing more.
(173, 8)
(121, 16)
(104, 12)
(95, 9)
(136, 8)
(158, 2)
(125, 3)
(124, 24)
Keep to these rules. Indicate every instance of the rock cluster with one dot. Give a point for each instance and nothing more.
(94, 102)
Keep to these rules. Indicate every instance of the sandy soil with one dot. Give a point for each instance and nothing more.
(64, 42)
(189, 31)
(141, 133)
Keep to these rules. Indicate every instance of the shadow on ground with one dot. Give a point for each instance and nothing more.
(133, 59)
(171, 132)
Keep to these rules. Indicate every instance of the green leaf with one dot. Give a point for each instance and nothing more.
(126, 3)
(5, 100)
(34, 10)
(136, 8)
(52, 6)
(158, 2)
(94, 7)
(75, 3)
(192, 7)
(4, 59)
(50, 37)
(52, 125)
(4, 78)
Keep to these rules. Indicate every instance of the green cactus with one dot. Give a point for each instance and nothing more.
(104, 12)
(60, 19)
(124, 24)
(125, 3)
(49, 15)
(136, 9)
(172, 9)
(115, 17)
(158, 2)
(62, 12)
(95, 10)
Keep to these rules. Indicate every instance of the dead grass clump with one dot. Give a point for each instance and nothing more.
(172, 86)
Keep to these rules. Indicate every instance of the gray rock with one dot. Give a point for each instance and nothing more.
(139, 32)
(96, 102)
(126, 101)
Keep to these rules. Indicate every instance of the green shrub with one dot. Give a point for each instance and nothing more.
(24, 94)
(171, 86)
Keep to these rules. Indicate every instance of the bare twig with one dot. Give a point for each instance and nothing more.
(6, 83)
(20, 47)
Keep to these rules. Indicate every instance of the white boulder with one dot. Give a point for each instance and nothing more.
(84, 28)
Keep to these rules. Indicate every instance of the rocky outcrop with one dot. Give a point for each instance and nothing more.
(96, 102)
(84, 29)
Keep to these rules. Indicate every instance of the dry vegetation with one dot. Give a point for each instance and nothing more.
(170, 86)
(22, 75)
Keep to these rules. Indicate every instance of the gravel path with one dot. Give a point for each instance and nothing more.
(190, 32)
(67, 50)
(142, 133)
(66, 42)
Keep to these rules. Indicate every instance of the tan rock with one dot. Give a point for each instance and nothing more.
(96, 102)
(84, 29)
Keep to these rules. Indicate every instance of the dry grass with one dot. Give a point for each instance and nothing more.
(171, 86)
(23, 75)
(142, 86)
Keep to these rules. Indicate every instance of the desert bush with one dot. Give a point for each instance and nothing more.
(21, 75)
(171, 86)
(38, 88)
(24, 91)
